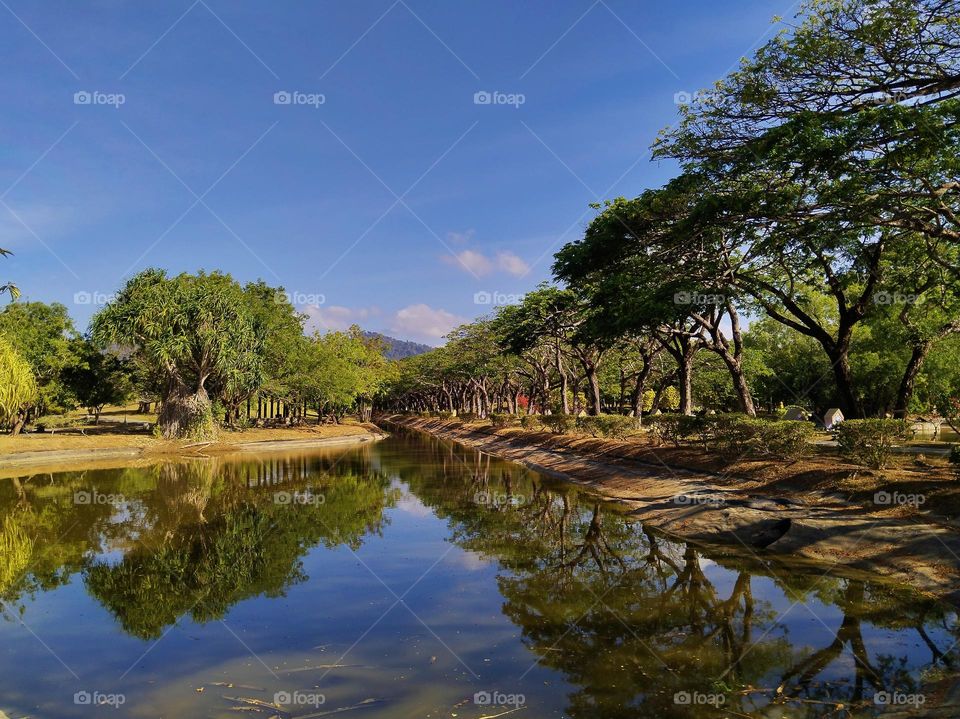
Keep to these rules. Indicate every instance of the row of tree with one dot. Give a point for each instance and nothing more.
(818, 204)
(198, 344)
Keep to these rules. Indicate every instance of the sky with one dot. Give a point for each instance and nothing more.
(405, 165)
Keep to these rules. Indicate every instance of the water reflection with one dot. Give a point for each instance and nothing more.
(612, 619)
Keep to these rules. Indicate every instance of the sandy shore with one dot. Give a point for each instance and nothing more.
(114, 450)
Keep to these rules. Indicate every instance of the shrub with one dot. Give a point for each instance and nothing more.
(614, 426)
(954, 459)
(503, 420)
(786, 439)
(560, 423)
(669, 427)
(870, 442)
(468, 416)
(530, 421)
(734, 435)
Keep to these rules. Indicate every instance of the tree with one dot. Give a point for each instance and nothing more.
(11, 288)
(45, 336)
(18, 388)
(101, 378)
(194, 330)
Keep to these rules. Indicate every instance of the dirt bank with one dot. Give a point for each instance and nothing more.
(780, 519)
(115, 450)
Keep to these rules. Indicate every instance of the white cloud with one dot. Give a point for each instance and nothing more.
(511, 264)
(424, 322)
(470, 261)
(460, 238)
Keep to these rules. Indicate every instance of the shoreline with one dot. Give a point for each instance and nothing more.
(54, 458)
(812, 528)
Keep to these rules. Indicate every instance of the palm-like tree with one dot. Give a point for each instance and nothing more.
(9, 287)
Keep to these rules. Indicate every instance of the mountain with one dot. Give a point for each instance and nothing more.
(399, 349)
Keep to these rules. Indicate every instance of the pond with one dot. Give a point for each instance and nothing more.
(416, 578)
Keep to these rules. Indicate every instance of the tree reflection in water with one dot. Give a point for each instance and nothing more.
(631, 618)
(627, 617)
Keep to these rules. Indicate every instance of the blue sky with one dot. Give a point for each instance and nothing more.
(383, 193)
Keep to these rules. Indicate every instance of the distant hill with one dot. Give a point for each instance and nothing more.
(399, 349)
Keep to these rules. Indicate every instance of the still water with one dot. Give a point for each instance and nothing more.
(415, 578)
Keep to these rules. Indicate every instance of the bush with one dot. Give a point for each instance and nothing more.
(954, 459)
(468, 416)
(670, 427)
(504, 420)
(786, 439)
(560, 423)
(870, 442)
(531, 422)
(614, 426)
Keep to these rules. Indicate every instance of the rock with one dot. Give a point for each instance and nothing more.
(796, 414)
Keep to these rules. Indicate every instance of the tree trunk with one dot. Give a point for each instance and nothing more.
(593, 383)
(185, 414)
(905, 392)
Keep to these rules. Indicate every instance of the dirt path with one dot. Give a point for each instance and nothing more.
(815, 529)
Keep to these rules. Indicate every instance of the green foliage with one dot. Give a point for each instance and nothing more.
(612, 426)
(16, 550)
(18, 388)
(531, 422)
(870, 442)
(559, 423)
(671, 427)
(45, 337)
(468, 417)
(197, 331)
(500, 420)
(99, 379)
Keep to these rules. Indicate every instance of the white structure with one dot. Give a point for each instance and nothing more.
(832, 418)
(796, 413)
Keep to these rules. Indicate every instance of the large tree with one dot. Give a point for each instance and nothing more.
(195, 330)
(18, 388)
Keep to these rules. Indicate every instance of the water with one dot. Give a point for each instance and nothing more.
(424, 576)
